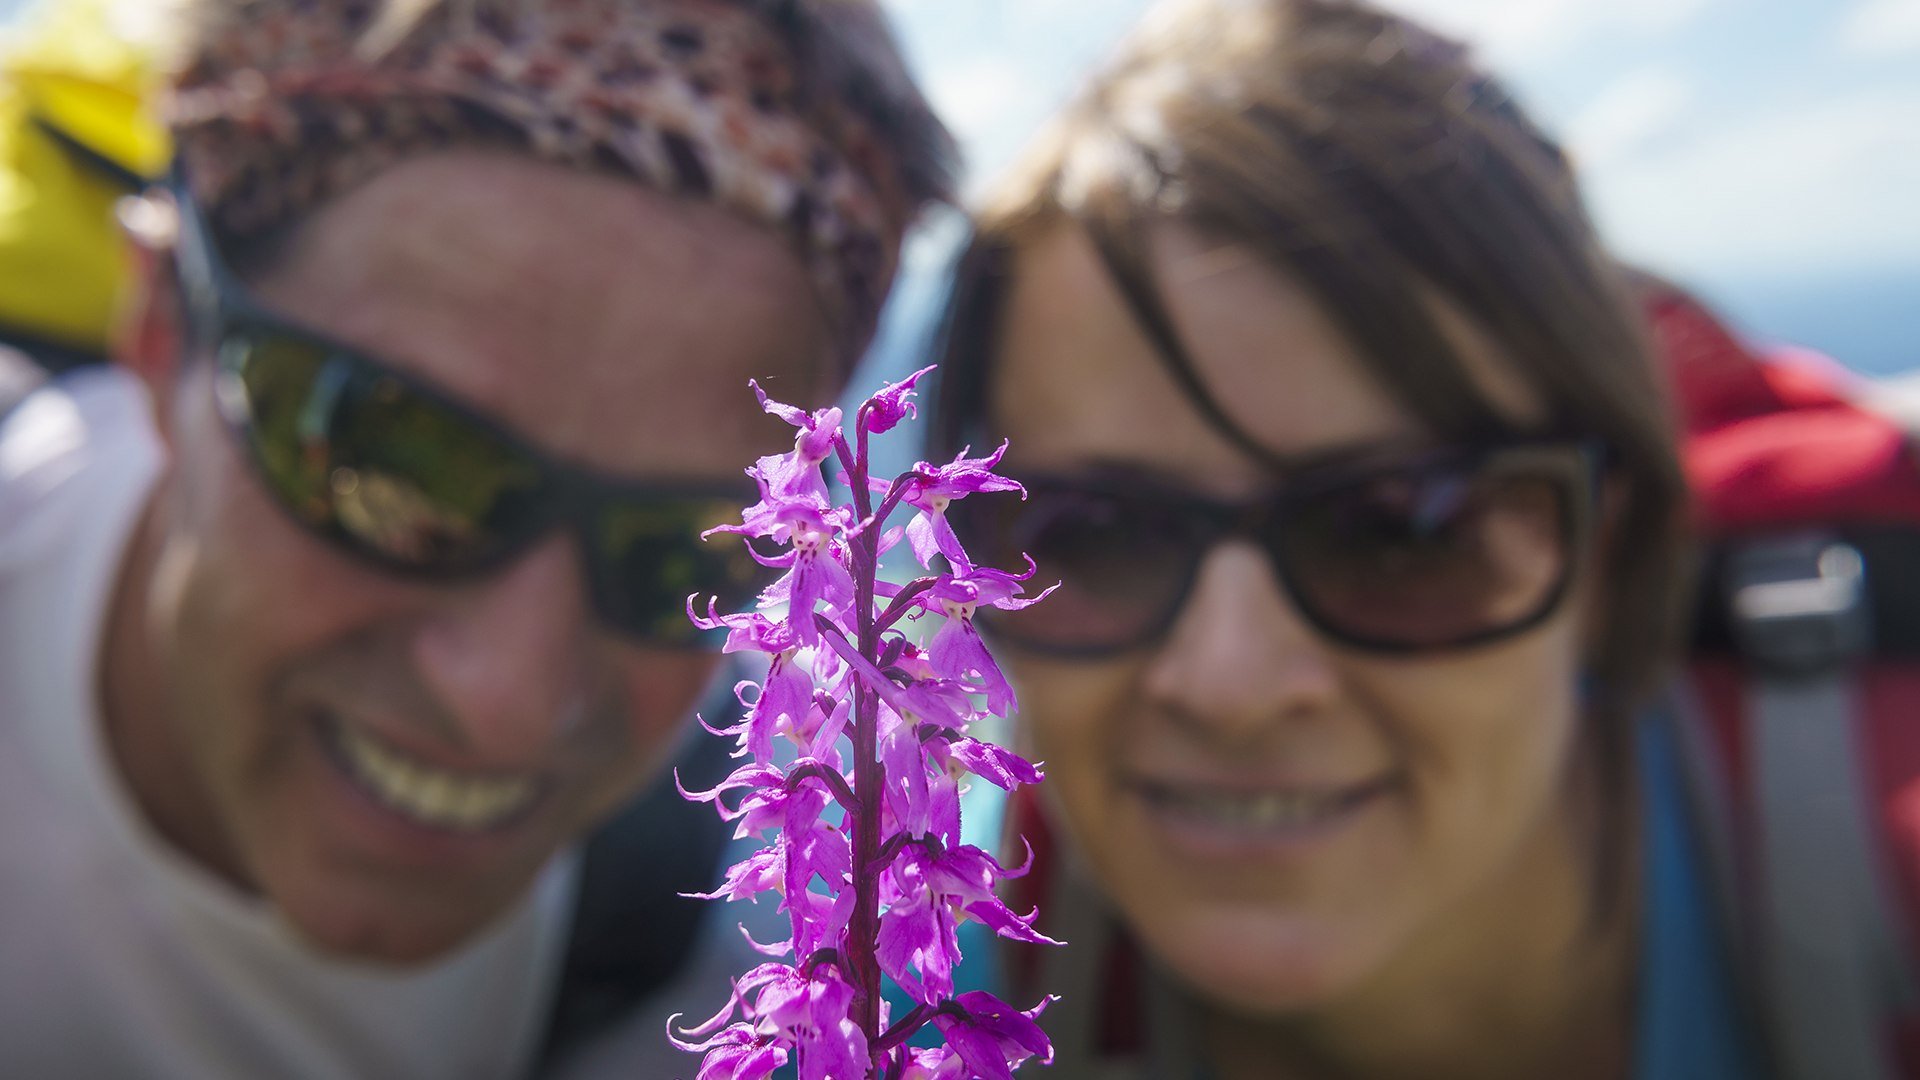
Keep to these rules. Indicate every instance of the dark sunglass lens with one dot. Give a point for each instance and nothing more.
(1431, 558)
(647, 558)
(398, 476)
(1120, 563)
(422, 484)
(271, 388)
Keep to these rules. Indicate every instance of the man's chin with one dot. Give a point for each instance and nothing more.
(380, 938)
(384, 922)
(359, 885)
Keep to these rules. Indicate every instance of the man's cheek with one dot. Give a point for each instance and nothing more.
(660, 695)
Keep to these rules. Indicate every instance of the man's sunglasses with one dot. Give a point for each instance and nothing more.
(397, 473)
(1439, 549)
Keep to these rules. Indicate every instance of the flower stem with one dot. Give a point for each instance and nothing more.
(864, 925)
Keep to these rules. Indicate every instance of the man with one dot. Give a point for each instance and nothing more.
(336, 614)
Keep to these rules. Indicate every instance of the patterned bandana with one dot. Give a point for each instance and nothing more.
(292, 102)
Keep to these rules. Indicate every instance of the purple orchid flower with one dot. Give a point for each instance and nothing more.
(736, 1053)
(956, 651)
(985, 1038)
(930, 489)
(780, 706)
(851, 713)
(993, 1037)
(893, 403)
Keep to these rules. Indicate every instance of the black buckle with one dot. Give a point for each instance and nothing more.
(1798, 603)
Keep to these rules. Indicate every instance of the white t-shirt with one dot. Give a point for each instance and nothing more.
(118, 958)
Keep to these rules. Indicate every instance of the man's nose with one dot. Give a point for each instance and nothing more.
(507, 657)
(1239, 657)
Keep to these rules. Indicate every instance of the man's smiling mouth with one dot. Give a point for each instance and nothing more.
(426, 794)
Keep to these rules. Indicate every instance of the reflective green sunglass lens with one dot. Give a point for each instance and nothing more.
(651, 558)
(421, 483)
(276, 382)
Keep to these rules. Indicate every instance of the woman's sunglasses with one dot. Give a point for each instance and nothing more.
(1436, 550)
(395, 472)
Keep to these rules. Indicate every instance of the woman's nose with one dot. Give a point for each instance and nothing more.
(1239, 656)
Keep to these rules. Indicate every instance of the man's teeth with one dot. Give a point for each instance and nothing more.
(427, 794)
(1263, 811)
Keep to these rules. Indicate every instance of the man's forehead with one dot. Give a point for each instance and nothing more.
(283, 104)
(606, 322)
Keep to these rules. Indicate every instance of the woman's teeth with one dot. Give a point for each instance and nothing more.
(426, 794)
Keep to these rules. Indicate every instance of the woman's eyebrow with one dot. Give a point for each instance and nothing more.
(1117, 472)
(1355, 452)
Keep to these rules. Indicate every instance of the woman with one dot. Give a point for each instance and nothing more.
(1345, 448)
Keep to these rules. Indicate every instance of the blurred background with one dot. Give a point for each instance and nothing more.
(1765, 153)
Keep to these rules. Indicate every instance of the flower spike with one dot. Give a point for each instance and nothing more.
(851, 712)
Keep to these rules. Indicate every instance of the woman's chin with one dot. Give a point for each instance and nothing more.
(1264, 965)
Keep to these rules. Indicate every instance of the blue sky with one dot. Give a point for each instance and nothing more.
(1766, 151)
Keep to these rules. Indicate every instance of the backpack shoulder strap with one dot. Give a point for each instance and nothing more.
(1809, 891)
(632, 929)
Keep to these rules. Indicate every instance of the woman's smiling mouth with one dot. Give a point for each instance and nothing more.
(1209, 818)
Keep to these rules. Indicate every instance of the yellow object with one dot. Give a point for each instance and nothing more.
(76, 131)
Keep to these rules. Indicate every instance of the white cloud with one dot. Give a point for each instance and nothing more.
(1881, 27)
(1075, 12)
(994, 105)
(997, 70)
(1824, 186)
(1624, 117)
(1526, 34)
(975, 94)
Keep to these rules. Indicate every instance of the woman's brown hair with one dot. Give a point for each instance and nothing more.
(1375, 165)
